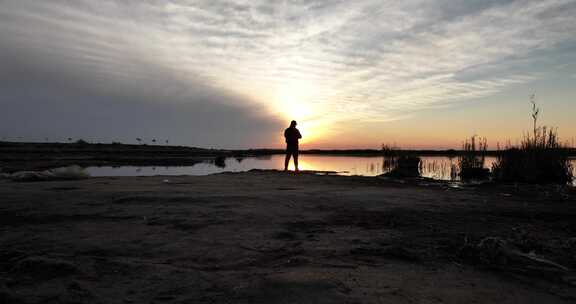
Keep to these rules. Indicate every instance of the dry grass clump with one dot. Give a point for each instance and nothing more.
(540, 157)
(471, 161)
(389, 150)
(398, 163)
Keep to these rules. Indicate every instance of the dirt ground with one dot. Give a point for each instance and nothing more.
(272, 237)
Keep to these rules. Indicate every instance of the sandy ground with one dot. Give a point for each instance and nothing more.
(271, 237)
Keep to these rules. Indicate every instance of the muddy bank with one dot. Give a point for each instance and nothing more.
(270, 237)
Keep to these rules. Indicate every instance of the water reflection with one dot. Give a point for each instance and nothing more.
(436, 167)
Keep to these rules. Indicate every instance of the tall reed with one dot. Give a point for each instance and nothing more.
(471, 161)
(539, 158)
(398, 163)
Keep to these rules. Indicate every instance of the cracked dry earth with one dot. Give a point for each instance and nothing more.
(270, 237)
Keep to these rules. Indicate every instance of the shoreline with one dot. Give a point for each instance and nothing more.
(16, 156)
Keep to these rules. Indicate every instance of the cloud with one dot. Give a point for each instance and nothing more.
(52, 100)
(368, 60)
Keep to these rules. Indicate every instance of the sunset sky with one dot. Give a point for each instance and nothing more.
(232, 74)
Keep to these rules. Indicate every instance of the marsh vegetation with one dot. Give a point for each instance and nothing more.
(539, 158)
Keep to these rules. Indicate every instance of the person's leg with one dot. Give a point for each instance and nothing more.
(287, 160)
(295, 155)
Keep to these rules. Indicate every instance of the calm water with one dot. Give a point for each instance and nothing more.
(437, 167)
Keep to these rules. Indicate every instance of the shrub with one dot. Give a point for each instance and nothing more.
(390, 150)
(540, 157)
(471, 161)
(403, 166)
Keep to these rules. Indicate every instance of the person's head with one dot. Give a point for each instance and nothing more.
(293, 124)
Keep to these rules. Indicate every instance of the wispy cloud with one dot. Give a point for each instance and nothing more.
(338, 60)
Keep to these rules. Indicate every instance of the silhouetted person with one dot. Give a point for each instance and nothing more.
(292, 136)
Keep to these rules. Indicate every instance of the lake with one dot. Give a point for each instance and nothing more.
(436, 167)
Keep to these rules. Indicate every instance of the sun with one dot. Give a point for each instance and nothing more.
(311, 131)
(294, 101)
